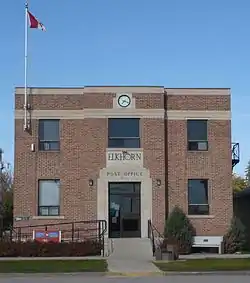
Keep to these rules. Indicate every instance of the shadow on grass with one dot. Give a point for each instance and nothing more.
(53, 266)
(193, 265)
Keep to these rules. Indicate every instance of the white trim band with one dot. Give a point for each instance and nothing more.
(191, 114)
(126, 113)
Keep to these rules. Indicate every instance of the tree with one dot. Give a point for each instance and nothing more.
(239, 183)
(247, 174)
(6, 183)
(235, 240)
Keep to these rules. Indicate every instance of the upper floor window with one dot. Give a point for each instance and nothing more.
(198, 197)
(49, 135)
(124, 133)
(197, 135)
(48, 197)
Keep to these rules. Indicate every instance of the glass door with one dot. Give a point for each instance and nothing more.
(124, 210)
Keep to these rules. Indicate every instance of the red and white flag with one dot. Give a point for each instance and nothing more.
(34, 23)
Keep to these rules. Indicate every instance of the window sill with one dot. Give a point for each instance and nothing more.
(201, 216)
(124, 148)
(47, 217)
(192, 151)
(46, 151)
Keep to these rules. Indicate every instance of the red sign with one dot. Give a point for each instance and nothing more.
(47, 236)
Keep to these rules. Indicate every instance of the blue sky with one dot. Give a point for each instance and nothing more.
(176, 43)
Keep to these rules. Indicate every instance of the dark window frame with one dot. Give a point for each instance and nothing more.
(48, 207)
(126, 140)
(48, 144)
(199, 208)
(197, 144)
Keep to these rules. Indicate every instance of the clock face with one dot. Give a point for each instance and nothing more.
(124, 100)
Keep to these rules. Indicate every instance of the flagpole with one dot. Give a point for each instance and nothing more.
(26, 66)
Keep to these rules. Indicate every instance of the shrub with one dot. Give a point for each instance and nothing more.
(179, 230)
(50, 249)
(235, 239)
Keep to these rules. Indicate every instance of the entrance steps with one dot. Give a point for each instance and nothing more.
(131, 248)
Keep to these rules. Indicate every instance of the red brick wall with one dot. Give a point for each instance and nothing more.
(66, 102)
(83, 148)
(81, 156)
(215, 165)
(147, 101)
(196, 102)
(154, 160)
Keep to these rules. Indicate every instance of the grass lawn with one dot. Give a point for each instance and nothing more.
(205, 265)
(52, 266)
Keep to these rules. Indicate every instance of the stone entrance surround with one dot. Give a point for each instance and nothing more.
(125, 170)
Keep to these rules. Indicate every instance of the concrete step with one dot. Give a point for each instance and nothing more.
(108, 247)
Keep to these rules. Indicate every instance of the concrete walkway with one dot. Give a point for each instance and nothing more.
(132, 256)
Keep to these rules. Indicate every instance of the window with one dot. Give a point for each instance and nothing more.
(197, 135)
(198, 197)
(48, 197)
(124, 133)
(49, 136)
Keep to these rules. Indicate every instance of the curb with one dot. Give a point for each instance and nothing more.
(206, 273)
(126, 274)
(134, 274)
(83, 274)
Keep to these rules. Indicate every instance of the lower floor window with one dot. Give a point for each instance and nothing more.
(49, 197)
(198, 197)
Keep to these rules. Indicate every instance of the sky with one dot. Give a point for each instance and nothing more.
(178, 43)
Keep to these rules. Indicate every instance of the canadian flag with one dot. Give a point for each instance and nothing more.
(34, 23)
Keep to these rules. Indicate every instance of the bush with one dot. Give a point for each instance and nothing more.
(50, 249)
(179, 230)
(235, 240)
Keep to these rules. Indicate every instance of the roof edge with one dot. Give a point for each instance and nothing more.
(121, 89)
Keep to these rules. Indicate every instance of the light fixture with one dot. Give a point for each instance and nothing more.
(158, 182)
(91, 182)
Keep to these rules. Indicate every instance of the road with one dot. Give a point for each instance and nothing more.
(170, 279)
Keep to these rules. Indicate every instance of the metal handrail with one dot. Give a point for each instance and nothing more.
(64, 223)
(151, 235)
(101, 229)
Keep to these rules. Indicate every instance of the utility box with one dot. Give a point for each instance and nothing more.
(168, 254)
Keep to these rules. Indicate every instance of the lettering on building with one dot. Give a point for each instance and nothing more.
(125, 174)
(112, 156)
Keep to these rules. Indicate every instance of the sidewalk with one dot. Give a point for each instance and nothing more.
(128, 266)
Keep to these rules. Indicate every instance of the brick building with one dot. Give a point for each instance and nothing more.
(125, 155)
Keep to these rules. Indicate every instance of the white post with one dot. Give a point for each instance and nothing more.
(25, 66)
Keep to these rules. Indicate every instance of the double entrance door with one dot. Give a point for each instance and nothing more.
(124, 210)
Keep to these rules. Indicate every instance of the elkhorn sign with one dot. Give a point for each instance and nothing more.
(113, 156)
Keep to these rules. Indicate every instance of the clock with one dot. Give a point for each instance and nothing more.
(124, 100)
